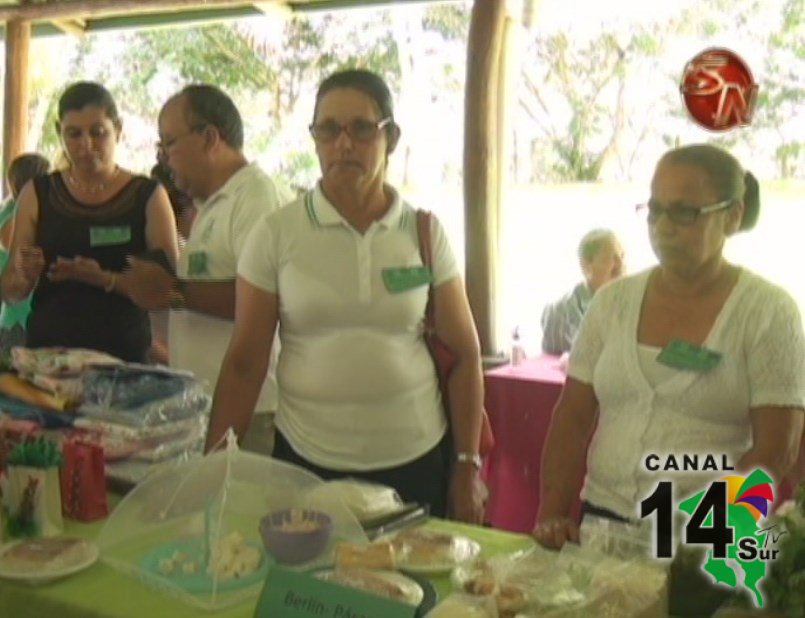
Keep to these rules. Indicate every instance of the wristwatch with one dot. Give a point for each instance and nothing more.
(472, 458)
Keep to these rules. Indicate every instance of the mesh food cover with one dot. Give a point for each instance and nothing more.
(193, 529)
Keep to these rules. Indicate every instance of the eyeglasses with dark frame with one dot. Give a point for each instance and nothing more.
(163, 145)
(680, 215)
(359, 129)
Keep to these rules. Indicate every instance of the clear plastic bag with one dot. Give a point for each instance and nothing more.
(58, 362)
(142, 396)
(620, 540)
(578, 581)
(459, 605)
(187, 528)
(367, 501)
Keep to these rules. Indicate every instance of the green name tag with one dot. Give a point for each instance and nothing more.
(290, 594)
(197, 263)
(103, 235)
(683, 355)
(406, 278)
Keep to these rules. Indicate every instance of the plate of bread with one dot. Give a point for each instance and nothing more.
(40, 560)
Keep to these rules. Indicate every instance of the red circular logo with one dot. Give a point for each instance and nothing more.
(718, 89)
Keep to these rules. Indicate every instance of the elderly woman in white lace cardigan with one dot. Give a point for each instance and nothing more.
(693, 356)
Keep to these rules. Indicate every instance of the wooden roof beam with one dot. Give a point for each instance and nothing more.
(95, 9)
(75, 27)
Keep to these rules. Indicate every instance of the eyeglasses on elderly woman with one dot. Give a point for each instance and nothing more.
(680, 215)
(359, 129)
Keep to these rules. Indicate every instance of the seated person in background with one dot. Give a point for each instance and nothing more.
(601, 260)
(745, 403)
(14, 316)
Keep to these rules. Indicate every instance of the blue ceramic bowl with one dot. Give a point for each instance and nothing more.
(291, 543)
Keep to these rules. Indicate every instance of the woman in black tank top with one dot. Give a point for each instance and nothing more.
(74, 230)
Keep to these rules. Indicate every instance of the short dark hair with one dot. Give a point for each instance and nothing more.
(210, 105)
(727, 178)
(367, 82)
(24, 168)
(593, 241)
(80, 94)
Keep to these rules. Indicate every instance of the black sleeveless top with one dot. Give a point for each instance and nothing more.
(77, 315)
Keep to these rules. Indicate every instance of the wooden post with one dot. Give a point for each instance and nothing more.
(15, 110)
(481, 169)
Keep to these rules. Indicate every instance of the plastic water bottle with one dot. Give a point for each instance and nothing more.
(518, 351)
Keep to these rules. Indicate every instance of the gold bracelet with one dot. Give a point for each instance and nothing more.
(109, 287)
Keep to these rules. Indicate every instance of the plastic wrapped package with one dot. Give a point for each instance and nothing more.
(628, 588)
(178, 429)
(142, 396)
(617, 539)
(367, 501)
(58, 362)
(573, 583)
(149, 443)
(459, 605)
(192, 529)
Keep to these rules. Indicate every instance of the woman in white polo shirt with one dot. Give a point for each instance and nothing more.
(359, 394)
(693, 356)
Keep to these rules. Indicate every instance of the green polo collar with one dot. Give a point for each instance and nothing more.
(322, 213)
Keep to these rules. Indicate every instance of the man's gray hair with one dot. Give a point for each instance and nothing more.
(592, 242)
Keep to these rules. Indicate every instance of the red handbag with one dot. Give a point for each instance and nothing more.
(83, 481)
(443, 356)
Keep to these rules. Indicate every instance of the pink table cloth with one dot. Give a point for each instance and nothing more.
(520, 401)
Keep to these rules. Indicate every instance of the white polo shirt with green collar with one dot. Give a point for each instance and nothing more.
(358, 388)
(197, 341)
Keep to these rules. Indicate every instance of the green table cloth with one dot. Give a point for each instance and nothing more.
(102, 591)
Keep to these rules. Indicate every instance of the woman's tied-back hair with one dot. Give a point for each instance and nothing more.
(593, 241)
(367, 82)
(727, 176)
(80, 94)
(24, 168)
(209, 105)
(179, 200)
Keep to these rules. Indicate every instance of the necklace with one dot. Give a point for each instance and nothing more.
(92, 189)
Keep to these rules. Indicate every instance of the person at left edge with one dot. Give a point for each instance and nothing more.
(75, 227)
(14, 317)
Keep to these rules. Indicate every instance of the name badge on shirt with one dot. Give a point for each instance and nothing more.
(197, 263)
(683, 355)
(106, 235)
(405, 278)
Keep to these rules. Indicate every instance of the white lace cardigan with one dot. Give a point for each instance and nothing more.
(759, 334)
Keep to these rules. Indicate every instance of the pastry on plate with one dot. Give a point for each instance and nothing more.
(386, 584)
(378, 555)
(422, 546)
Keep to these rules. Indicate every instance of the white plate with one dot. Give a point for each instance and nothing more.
(430, 552)
(84, 555)
(412, 592)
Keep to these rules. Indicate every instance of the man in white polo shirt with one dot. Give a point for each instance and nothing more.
(201, 141)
